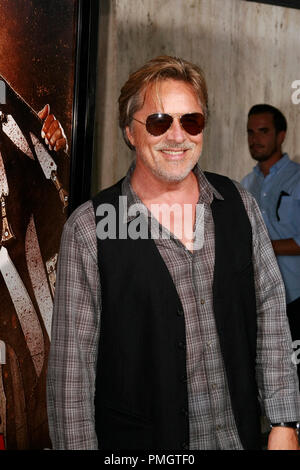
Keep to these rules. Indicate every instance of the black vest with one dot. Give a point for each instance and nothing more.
(141, 399)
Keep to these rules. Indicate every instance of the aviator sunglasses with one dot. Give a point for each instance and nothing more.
(158, 123)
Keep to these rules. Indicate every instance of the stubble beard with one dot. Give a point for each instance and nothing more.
(260, 158)
(263, 157)
(166, 172)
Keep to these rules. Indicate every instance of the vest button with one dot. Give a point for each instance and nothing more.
(185, 446)
(184, 412)
(181, 345)
(180, 312)
(183, 378)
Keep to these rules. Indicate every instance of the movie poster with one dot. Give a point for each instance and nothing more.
(37, 56)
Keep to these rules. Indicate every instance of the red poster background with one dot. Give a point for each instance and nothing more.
(37, 57)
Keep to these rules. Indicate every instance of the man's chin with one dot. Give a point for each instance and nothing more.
(260, 158)
(169, 177)
(175, 175)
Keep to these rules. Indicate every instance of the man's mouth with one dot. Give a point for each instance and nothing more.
(173, 152)
(174, 155)
(256, 147)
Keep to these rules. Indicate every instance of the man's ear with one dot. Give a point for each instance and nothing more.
(130, 136)
(280, 137)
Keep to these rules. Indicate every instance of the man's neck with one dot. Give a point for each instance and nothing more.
(267, 165)
(168, 202)
(160, 191)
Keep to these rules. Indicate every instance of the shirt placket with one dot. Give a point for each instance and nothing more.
(214, 380)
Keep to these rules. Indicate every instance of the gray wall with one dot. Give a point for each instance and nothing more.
(250, 53)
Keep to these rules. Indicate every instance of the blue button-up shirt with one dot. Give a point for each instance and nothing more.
(278, 196)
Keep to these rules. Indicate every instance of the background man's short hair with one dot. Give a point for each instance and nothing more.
(280, 122)
(161, 68)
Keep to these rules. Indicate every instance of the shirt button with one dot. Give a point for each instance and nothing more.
(213, 386)
(218, 427)
(202, 301)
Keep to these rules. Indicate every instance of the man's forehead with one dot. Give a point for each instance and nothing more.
(155, 91)
(265, 120)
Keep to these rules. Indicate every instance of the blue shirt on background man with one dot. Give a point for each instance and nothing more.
(278, 196)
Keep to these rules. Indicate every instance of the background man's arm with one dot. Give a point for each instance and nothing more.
(286, 247)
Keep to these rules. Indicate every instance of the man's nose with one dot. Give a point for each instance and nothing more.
(253, 138)
(175, 132)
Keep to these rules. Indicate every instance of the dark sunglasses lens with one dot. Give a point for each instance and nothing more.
(158, 124)
(192, 123)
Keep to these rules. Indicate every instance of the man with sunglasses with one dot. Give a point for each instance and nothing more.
(164, 338)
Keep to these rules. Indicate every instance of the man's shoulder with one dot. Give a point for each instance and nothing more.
(290, 178)
(216, 176)
(79, 234)
(294, 167)
(294, 163)
(217, 179)
(247, 198)
(81, 213)
(81, 223)
(107, 194)
(246, 180)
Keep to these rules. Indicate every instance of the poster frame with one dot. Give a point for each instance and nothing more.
(83, 118)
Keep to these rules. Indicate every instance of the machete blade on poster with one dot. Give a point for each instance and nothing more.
(38, 66)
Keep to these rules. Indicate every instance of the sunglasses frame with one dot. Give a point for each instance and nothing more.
(176, 115)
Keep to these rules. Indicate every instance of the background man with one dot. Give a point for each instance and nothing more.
(187, 333)
(275, 184)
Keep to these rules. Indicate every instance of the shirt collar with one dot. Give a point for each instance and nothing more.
(282, 162)
(207, 190)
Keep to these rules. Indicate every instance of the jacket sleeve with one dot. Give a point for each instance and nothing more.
(75, 334)
(276, 371)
